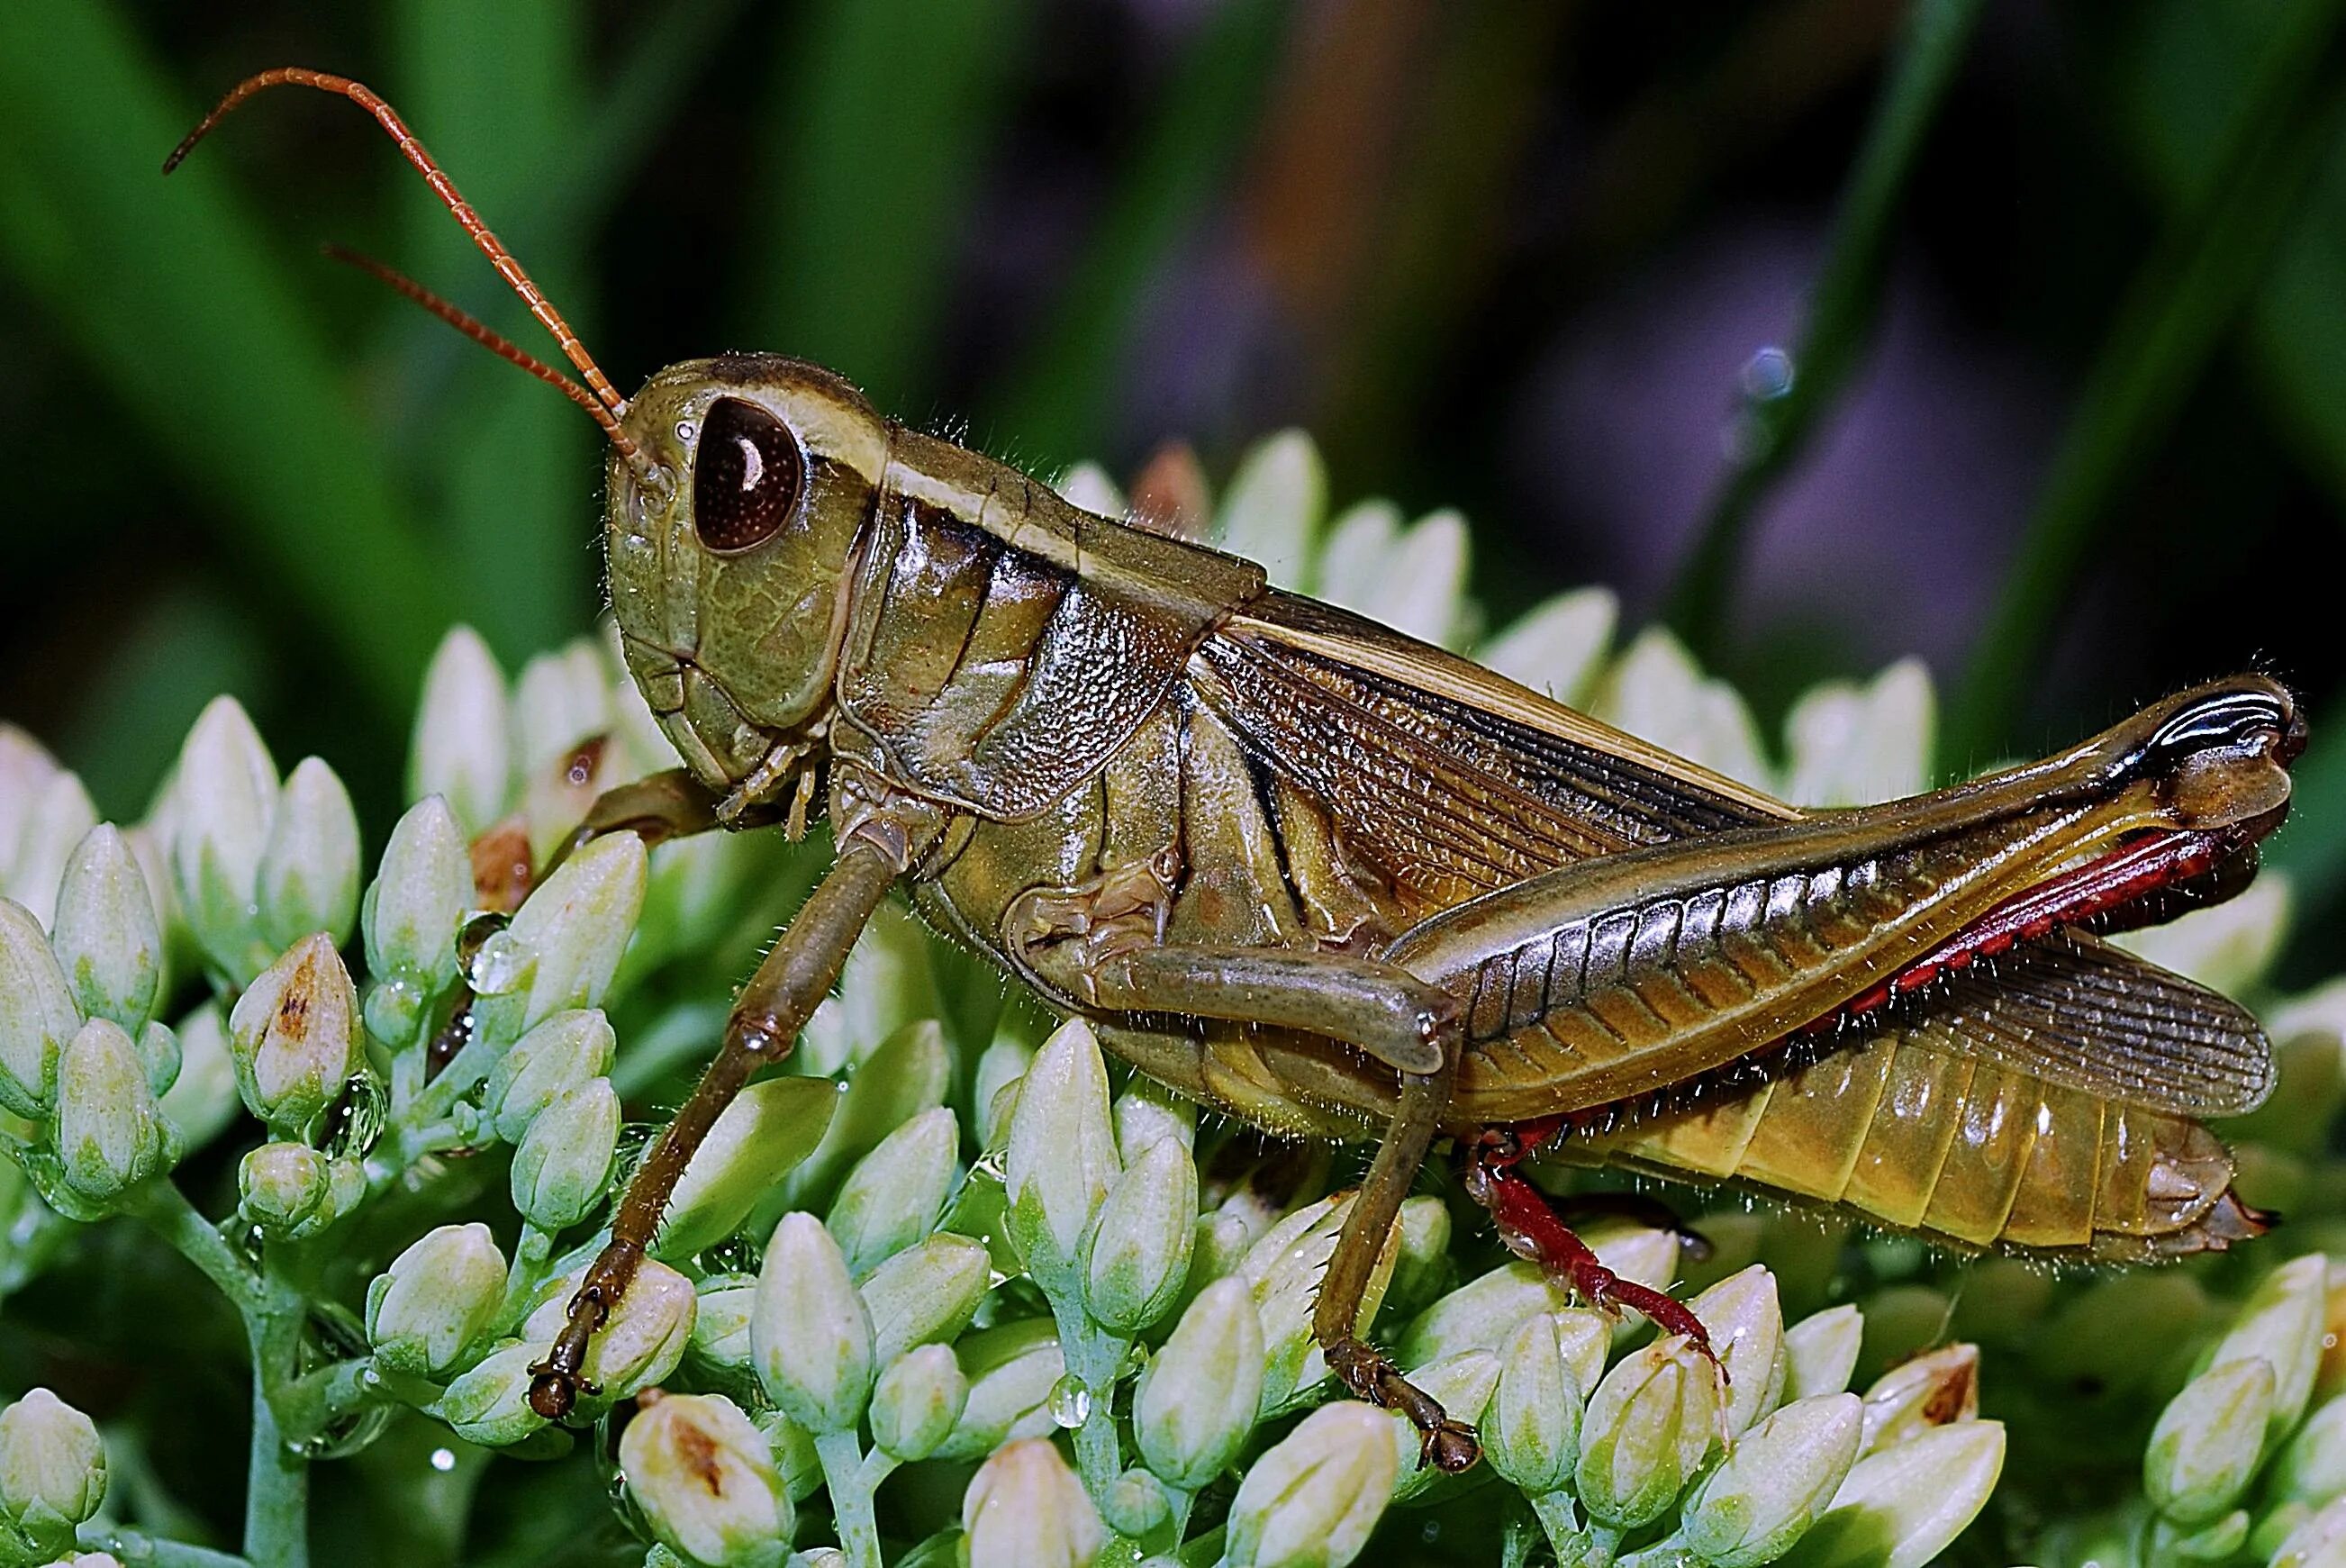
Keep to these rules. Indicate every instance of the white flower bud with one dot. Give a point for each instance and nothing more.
(294, 1034)
(418, 901)
(58, 817)
(1820, 1352)
(226, 786)
(37, 1015)
(810, 1336)
(286, 1189)
(1650, 1424)
(2313, 1467)
(435, 1299)
(26, 770)
(1312, 1500)
(1556, 647)
(2316, 1542)
(1284, 1268)
(1927, 1390)
(106, 938)
(1271, 511)
(1011, 1369)
(892, 1198)
(1137, 1257)
(2208, 1442)
(52, 1470)
(767, 1129)
(565, 1158)
(203, 1099)
(1901, 1507)
(460, 750)
(569, 936)
(2282, 1323)
(1148, 1111)
(565, 1051)
(708, 1487)
(1025, 1508)
(916, 1403)
(1061, 1154)
(489, 1403)
(1533, 1432)
(1196, 1399)
(642, 1341)
(1774, 1482)
(110, 1130)
(1746, 1325)
(1480, 1314)
(1656, 691)
(927, 1292)
(720, 1324)
(309, 876)
(1423, 1267)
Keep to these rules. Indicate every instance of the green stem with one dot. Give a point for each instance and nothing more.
(528, 1271)
(276, 1490)
(136, 1549)
(851, 1497)
(164, 1206)
(1774, 426)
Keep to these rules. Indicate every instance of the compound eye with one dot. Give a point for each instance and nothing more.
(746, 477)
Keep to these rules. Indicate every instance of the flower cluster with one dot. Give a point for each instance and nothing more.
(951, 1240)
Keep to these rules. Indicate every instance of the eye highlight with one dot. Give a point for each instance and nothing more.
(746, 477)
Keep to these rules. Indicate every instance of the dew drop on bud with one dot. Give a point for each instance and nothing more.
(1071, 1402)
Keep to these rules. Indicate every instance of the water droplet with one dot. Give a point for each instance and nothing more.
(500, 966)
(1768, 374)
(444, 1459)
(1071, 1402)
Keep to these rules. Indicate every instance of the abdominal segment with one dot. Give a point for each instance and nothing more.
(1964, 1151)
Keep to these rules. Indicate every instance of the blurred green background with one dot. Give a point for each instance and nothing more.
(2013, 336)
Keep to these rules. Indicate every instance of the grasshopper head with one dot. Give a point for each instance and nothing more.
(729, 552)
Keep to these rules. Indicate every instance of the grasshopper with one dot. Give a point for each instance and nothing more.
(1341, 884)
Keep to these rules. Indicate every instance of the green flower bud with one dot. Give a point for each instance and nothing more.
(707, 1485)
(2281, 1323)
(202, 1100)
(226, 786)
(1196, 1399)
(1423, 1267)
(994, 1091)
(1136, 1503)
(2317, 1542)
(565, 1158)
(1284, 1267)
(810, 1336)
(720, 1323)
(1061, 1154)
(110, 1130)
(1025, 1508)
(916, 1403)
(1480, 1314)
(794, 1452)
(52, 1470)
(1137, 1257)
(643, 1338)
(905, 1074)
(568, 938)
(2218, 1542)
(1747, 1329)
(1011, 1369)
(767, 1129)
(106, 938)
(1820, 1352)
(489, 1403)
(435, 1299)
(58, 817)
(294, 1035)
(37, 1015)
(1532, 1433)
(459, 748)
(1900, 1508)
(1312, 1500)
(286, 1189)
(1649, 1425)
(927, 1292)
(417, 903)
(1773, 1484)
(1929, 1391)
(1272, 509)
(2208, 1442)
(566, 1051)
(309, 876)
(892, 1198)
(2313, 1467)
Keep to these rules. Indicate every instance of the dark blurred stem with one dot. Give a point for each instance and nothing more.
(1773, 430)
(2177, 308)
(276, 1493)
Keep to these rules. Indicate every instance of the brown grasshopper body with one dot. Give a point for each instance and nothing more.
(1340, 883)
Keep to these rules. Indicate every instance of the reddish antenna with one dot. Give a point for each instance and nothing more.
(488, 337)
(598, 397)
